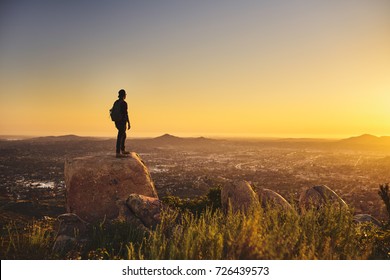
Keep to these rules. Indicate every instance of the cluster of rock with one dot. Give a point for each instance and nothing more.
(100, 188)
(106, 188)
(239, 196)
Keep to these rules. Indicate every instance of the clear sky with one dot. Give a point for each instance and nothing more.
(288, 68)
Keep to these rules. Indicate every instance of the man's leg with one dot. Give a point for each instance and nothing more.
(121, 136)
(123, 140)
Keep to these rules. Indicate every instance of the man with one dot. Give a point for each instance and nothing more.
(121, 124)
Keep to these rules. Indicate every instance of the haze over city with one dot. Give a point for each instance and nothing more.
(190, 68)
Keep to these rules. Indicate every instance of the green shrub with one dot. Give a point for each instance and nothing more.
(381, 247)
(385, 195)
(199, 204)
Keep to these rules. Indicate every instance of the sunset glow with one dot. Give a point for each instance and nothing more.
(192, 68)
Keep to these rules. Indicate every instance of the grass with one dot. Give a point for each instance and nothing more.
(328, 233)
(30, 241)
(324, 234)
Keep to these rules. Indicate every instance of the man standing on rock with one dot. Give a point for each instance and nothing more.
(120, 116)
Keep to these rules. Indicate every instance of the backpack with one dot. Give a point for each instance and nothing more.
(115, 112)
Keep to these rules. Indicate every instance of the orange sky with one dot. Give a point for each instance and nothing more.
(234, 68)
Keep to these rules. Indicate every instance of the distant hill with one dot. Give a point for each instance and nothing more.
(63, 138)
(168, 139)
(366, 141)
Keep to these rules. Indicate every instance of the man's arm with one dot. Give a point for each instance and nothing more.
(127, 117)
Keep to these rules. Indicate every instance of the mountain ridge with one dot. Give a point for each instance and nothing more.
(169, 139)
(367, 140)
(364, 140)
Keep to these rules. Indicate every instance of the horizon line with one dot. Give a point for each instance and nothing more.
(189, 135)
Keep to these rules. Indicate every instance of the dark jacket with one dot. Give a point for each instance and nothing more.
(123, 109)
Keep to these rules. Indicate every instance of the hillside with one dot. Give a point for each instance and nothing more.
(366, 141)
(63, 138)
(171, 140)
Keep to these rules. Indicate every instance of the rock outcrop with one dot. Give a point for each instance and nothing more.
(269, 198)
(147, 209)
(71, 231)
(97, 187)
(317, 196)
(238, 195)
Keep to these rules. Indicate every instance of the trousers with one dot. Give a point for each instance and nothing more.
(121, 138)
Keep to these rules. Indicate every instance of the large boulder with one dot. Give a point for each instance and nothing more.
(147, 209)
(317, 196)
(97, 187)
(269, 198)
(238, 196)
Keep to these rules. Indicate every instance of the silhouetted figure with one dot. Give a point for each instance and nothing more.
(120, 115)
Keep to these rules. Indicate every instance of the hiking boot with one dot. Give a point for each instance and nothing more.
(118, 155)
(125, 152)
